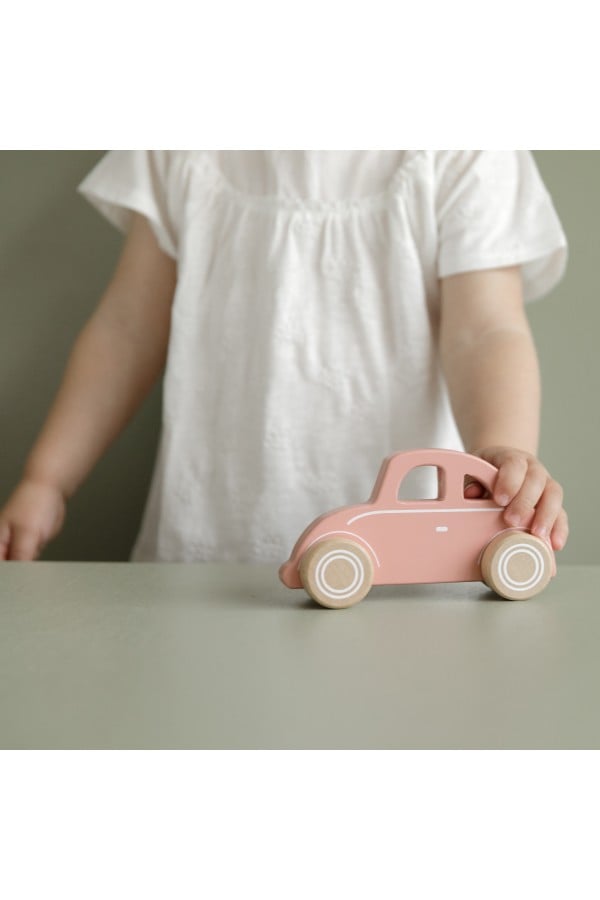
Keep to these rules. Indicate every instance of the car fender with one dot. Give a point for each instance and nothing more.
(347, 535)
(289, 572)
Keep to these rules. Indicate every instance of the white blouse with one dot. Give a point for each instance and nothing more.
(304, 329)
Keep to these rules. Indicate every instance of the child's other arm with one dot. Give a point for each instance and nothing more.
(116, 359)
(491, 367)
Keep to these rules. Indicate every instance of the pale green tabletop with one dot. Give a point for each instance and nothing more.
(223, 656)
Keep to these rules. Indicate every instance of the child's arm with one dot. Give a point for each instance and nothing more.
(116, 359)
(491, 368)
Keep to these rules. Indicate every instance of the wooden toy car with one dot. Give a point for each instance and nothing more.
(388, 540)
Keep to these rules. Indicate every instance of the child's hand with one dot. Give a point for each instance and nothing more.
(33, 515)
(531, 497)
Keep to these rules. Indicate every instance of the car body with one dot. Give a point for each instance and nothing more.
(415, 541)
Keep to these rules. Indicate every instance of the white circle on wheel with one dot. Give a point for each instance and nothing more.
(336, 573)
(517, 565)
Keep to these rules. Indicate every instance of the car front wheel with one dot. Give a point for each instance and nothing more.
(516, 565)
(336, 573)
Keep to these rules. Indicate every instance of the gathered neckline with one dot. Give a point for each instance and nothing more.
(296, 204)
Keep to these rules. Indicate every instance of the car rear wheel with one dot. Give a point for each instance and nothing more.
(336, 573)
(516, 565)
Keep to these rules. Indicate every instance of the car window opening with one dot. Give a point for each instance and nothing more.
(422, 483)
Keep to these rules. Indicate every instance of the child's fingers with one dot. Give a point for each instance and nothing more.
(521, 508)
(473, 490)
(4, 540)
(510, 478)
(560, 532)
(532, 499)
(25, 545)
(547, 509)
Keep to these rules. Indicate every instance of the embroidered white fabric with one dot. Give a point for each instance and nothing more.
(305, 321)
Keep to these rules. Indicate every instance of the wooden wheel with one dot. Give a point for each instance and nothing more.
(516, 565)
(336, 573)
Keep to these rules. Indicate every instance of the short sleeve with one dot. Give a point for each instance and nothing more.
(493, 210)
(137, 180)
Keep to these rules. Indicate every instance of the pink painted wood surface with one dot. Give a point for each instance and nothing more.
(415, 541)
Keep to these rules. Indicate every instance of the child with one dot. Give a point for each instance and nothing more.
(312, 311)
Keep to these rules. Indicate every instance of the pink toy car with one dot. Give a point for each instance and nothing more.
(388, 540)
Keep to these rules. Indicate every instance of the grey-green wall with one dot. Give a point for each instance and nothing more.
(57, 253)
